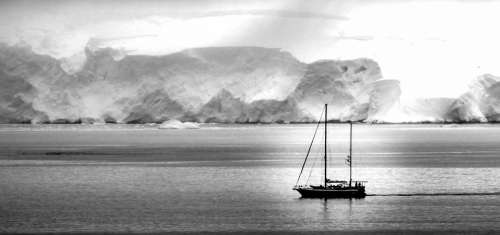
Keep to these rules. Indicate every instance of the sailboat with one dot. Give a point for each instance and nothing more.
(331, 188)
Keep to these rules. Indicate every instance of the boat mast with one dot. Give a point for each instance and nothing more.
(326, 110)
(350, 154)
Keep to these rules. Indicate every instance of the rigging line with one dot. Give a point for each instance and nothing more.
(309, 150)
(312, 168)
(320, 147)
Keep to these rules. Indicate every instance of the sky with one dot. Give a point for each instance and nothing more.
(435, 48)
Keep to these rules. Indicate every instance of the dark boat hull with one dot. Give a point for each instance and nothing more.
(332, 193)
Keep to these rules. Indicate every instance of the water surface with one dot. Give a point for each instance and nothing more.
(123, 178)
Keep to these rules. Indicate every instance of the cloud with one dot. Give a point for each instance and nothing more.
(98, 42)
(342, 36)
(270, 12)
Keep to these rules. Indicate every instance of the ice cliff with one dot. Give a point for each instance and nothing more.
(481, 103)
(226, 84)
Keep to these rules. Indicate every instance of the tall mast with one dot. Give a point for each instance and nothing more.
(326, 110)
(350, 154)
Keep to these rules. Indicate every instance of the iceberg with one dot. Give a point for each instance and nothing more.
(218, 84)
(176, 124)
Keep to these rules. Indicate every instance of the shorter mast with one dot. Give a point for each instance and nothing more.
(326, 110)
(350, 153)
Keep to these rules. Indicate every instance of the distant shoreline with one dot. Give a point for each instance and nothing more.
(252, 123)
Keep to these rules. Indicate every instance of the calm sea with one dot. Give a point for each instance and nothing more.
(231, 178)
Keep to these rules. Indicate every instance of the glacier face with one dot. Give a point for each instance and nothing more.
(481, 103)
(224, 84)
